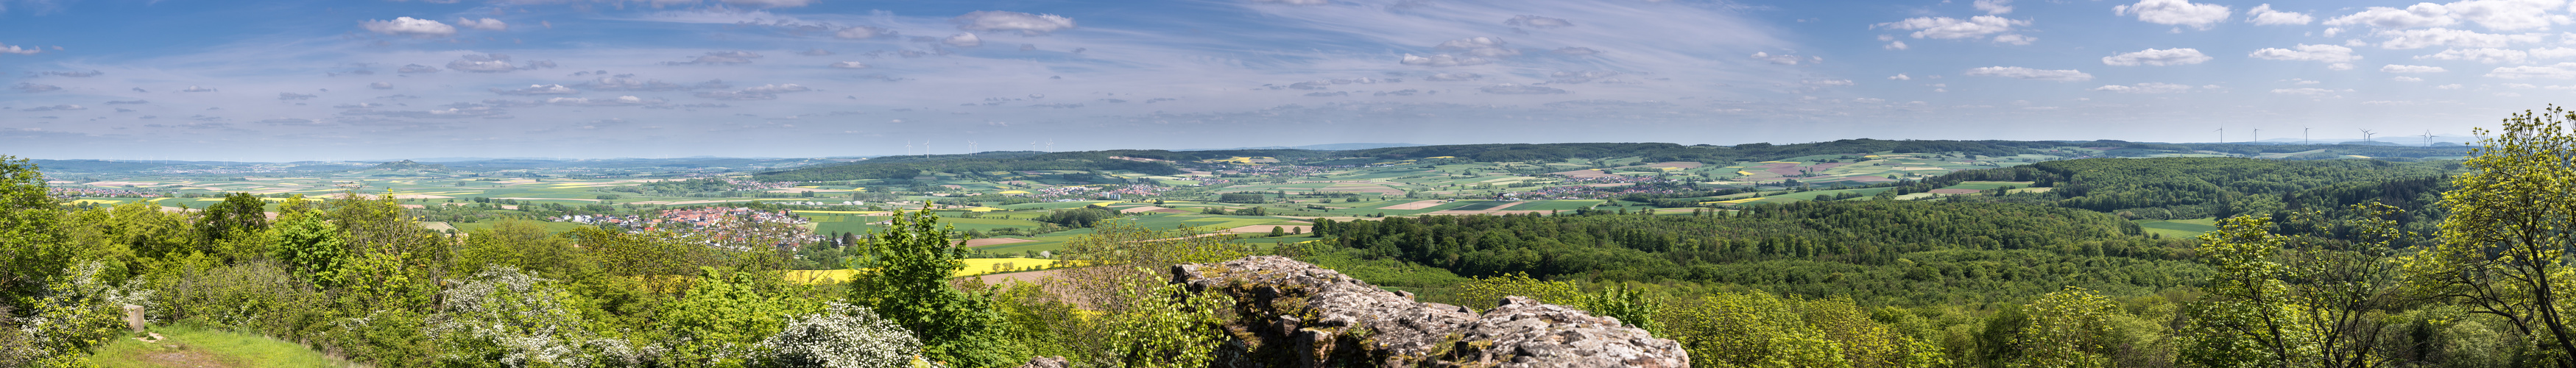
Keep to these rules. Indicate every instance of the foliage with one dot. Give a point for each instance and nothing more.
(1752, 329)
(1484, 293)
(842, 336)
(2503, 249)
(32, 248)
(1165, 325)
(1078, 217)
(2070, 328)
(78, 312)
(311, 248)
(722, 320)
(505, 318)
(900, 272)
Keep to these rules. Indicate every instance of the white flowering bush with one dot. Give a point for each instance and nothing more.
(505, 318)
(78, 312)
(843, 336)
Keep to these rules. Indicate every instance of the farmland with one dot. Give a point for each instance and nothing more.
(1000, 200)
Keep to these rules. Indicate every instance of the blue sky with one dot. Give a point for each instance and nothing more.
(323, 80)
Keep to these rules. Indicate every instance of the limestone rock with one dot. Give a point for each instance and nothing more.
(1293, 313)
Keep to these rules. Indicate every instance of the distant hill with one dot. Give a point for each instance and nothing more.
(1316, 147)
(408, 165)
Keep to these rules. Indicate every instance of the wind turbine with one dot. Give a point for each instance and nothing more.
(2428, 138)
(970, 146)
(2365, 135)
(2258, 136)
(2222, 135)
(2303, 136)
(907, 147)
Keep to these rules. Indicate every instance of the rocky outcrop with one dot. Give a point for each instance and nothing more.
(1293, 313)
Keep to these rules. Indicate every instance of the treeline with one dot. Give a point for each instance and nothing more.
(904, 167)
(1660, 152)
(2190, 188)
(1882, 252)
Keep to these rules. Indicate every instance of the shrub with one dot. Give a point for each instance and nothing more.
(843, 336)
(77, 312)
(505, 318)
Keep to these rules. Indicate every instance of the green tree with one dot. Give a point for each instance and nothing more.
(2502, 250)
(238, 215)
(309, 247)
(901, 272)
(2070, 328)
(32, 249)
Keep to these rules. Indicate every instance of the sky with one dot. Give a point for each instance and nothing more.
(366, 79)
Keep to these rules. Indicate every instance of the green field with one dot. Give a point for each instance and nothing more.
(2179, 228)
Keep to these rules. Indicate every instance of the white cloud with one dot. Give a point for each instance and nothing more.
(2149, 87)
(2510, 15)
(1443, 60)
(197, 89)
(2448, 86)
(1994, 7)
(1025, 23)
(2339, 66)
(862, 32)
(777, 88)
(1515, 89)
(1900, 76)
(2483, 55)
(1491, 47)
(1782, 59)
(2069, 75)
(2394, 68)
(2417, 16)
(380, 85)
(2553, 53)
(487, 63)
(1454, 76)
(538, 89)
(1828, 82)
(2176, 12)
(2406, 79)
(14, 49)
(1897, 45)
(2304, 52)
(416, 68)
(849, 65)
(1534, 21)
(1948, 28)
(487, 24)
(2303, 91)
(2264, 15)
(406, 26)
(2421, 38)
(963, 40)
(2015, 39)
(2559, 71)
(766, 3)
(2157, 57)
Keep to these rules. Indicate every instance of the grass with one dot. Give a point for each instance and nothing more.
(192, 346)
(2179, 228)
